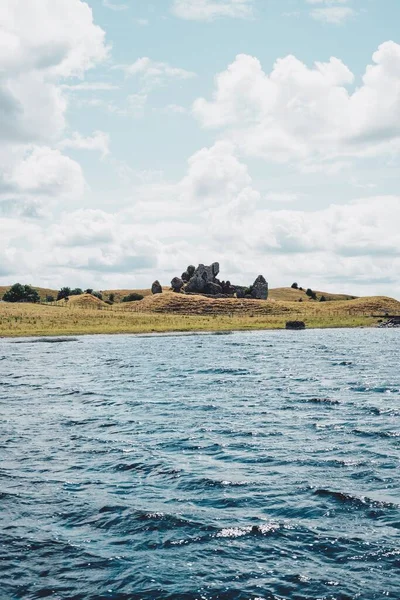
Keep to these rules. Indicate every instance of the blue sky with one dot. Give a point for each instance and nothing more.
(137, 137)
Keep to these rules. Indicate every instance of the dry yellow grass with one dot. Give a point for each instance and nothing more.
(170, 302)
(176, 312)
(86, 301)
(291, 295)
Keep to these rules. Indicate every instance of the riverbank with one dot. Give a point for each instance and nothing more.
(22, 320)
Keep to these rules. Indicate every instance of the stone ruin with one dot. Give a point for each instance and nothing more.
(203, 280)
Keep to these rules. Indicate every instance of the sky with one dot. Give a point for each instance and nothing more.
(140, 136)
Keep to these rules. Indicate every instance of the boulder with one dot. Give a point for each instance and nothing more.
(213, 289)
(202, 277)
(259, 289)
(177, 284)
(156, 288)
(296, 325)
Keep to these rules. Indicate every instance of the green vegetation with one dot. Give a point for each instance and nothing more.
(21, 293)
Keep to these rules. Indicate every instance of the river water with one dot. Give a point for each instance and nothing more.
(260, 465)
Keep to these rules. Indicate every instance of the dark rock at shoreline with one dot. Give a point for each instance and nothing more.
(156, 288)
(295, 325)
(392, 323)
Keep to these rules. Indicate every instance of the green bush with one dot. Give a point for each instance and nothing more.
(21, 293)
(64, 293)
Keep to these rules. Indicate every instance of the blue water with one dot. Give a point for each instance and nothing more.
(253, 465)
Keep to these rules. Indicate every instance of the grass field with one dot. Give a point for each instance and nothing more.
(176, 312)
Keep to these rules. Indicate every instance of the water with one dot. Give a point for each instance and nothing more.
(252, 465)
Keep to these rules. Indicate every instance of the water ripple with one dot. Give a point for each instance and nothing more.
(253, 466)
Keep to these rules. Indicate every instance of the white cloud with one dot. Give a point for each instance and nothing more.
(332, 11)
(333, 14)
(208, 10)
(141, 22)
(63, 42)
(42, 42)
(46, 172)
(307, 114)
(154, 74)
(113, 6)
(90, 86)
(99, 141)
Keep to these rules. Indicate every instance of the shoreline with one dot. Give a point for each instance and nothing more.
(70, 336)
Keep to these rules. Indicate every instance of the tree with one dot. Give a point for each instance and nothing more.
(76, 292)
(64, 293)
(111, 298)
(89, 291)
(98, 295)
(132, 297)
(294, 286)
(322, 299)
(21, 293)
(49, 298)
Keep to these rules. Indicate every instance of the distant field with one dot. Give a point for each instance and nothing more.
(283, 294)
(175, 312)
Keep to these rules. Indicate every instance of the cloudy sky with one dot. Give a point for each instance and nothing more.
(139, 136)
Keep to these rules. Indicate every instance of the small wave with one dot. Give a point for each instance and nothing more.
(345, 498)
(223, 371)
(376, 434)
(327, 401)
(235, 532)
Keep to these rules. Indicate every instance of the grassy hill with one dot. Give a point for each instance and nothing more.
(170, 302)
(43, 292)
(176, 312)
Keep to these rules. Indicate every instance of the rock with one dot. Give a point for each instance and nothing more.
(394, 322)
(201, 277)
(156, 288)
(177, 284)
(259, 289)
(185, 276)
(190, 270)
(213, 289)
(297, 325)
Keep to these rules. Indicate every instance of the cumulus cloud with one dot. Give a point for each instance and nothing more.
(43, 171)
(300, 112)
(63, 42)
(208, 10)
(42, 43)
